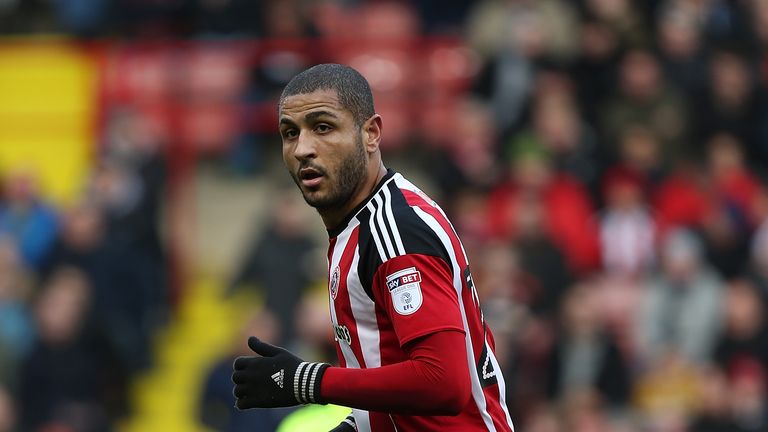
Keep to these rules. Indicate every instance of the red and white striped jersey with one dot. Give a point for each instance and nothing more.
(397, 271)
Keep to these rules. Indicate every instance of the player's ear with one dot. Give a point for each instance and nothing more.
(372, 133)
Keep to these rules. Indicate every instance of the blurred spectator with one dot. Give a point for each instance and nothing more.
(280, 261)
(640, 154)
(681, 47)
(124, 232)
(724, 21)
(117, 296)
(623, 18)
(681, 311)
(131, 179)
(745, 335)
(503, 288)
(730, 103)
(468, 159)
(714, 413)
(24, 217)
(643, 97)
(583, 412)
(515, 39)
(543, 419)
(594, 70)
(733, 182)
(71, 379)
(504, 82)
(585, 359)
(510, 38)
(727, 225)
(7, 411)
(517, 305)
(567, 210)
(542, 28)
(681, 199)
(16, 323)
(748, 396)
(284, 19)
(558, 127)
(217, 404)
(544, 272)
(468, 209)
(627, 230)
(667, 394)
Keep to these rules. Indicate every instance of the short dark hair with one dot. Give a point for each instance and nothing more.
(351, 87)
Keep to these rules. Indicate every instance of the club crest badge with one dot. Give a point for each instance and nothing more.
(405, 288)
(334, 285)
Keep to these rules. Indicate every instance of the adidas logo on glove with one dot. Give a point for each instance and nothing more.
(278, 377)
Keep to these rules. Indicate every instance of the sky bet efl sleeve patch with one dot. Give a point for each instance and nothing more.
(417, 295)
(405, 288)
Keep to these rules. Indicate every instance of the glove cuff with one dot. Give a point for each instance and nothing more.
(306, 382)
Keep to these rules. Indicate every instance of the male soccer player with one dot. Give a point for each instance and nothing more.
(414, 351)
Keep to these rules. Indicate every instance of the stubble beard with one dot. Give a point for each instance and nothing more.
(349, 175)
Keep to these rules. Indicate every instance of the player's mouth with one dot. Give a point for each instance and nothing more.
(310, 177)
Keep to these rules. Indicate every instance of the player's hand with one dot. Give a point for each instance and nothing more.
(275, 378)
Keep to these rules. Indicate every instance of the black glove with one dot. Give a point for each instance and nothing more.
(348, 425)
(276, 379)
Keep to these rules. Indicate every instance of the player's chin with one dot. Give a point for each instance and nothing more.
(315, 198)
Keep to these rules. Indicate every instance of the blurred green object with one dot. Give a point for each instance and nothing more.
(314, 418)
(526, 146)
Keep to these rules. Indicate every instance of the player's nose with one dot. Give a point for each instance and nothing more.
(306, 147)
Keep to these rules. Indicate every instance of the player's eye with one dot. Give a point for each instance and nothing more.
(290, 133)
(323, 128)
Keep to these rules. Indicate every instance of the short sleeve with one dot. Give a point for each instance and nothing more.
(417, 294)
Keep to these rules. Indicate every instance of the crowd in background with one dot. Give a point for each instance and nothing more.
(82, 289)
(606, 168)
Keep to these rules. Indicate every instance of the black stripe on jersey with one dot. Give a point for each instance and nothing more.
(414, 234)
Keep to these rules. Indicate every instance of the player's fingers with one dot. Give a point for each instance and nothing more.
(240, 391)
(239, 377)
(263, 348)
(241, 362)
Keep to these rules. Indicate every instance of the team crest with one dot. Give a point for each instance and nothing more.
(335, 282)
(405, 288)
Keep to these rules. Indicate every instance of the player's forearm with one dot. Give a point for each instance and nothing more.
(434, 381)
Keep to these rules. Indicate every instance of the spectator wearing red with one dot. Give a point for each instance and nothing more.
(568, 210)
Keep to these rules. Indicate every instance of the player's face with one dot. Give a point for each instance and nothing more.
(322, 148)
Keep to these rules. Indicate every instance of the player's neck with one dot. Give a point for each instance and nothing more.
(332, 218)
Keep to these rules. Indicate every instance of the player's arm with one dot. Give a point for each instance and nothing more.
(433, 381)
